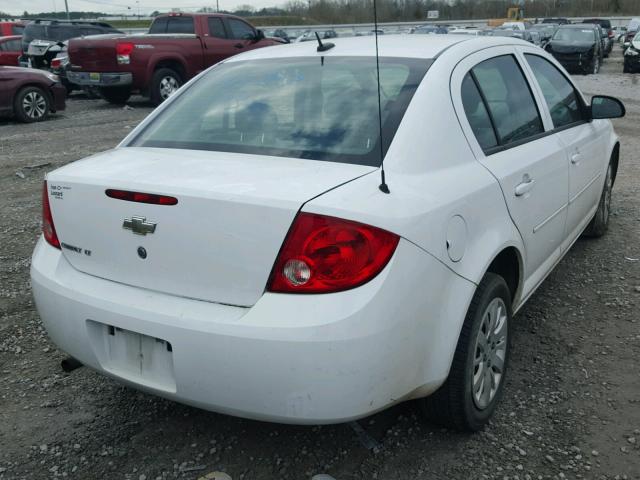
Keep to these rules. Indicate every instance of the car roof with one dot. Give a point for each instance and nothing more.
(420, 46)
(7, 38)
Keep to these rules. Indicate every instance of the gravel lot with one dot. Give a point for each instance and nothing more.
(571, 407)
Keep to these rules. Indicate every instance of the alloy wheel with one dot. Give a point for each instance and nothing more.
(34, 105)
(490, 354)
(168, 86)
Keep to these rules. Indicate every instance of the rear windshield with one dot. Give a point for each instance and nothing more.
(172, 25)
(313, 108)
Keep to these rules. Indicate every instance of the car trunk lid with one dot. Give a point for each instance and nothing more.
(218, 243)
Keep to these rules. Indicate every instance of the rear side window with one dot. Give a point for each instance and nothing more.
(240, 30)
(17, 29)
(560, 96)
(216, 28)
(508, 99)
(477, 114)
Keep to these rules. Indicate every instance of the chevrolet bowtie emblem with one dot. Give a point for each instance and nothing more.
(139, 225)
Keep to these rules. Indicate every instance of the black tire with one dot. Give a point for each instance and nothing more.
(116, 95)
(455, 405)
(600, 222)
(164, 83)
(31, 104)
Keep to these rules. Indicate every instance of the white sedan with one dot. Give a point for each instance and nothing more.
(245, 249)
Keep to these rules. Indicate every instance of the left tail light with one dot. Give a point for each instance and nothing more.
(123, 53)
(48, 228)
(323, 254)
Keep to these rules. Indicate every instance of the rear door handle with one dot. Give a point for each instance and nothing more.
(239, 45)
(575, 158)
(525, 186)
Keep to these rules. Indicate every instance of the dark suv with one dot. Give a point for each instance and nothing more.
(42, 39)
(607, 33)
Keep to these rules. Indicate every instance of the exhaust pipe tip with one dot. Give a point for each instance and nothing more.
(70, 364)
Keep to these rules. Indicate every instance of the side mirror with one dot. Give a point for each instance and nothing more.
(606, 107)
(259, 35)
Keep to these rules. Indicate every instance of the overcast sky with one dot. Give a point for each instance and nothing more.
(120, 6)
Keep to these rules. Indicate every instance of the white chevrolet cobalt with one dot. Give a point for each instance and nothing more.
(246, 250)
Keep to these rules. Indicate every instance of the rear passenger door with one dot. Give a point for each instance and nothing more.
(500, 118)
(584, 146)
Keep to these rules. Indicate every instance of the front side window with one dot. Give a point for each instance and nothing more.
(560, 96)
(240, 30)
(216, 28)
(310, 108)
(508, 98)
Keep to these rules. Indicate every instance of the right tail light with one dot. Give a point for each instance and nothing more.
(323, 254)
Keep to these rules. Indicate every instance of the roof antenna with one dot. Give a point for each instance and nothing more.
(323, 47)
(384, 188)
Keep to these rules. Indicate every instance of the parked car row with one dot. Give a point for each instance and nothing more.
(104, 61)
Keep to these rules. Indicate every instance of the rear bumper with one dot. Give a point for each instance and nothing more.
(100, 79)
(289, 358)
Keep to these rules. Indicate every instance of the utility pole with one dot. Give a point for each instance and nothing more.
(218, 6)
(66, 7)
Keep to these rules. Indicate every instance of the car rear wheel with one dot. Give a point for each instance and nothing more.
(469, 396)
(116, 95)
(165, 83)
(600, 222)
(32, 104)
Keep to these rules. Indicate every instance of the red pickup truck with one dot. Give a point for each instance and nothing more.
(177, 47)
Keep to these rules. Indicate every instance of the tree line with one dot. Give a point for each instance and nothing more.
(361, 11)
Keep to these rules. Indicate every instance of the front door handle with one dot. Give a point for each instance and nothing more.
(239, 45)
(525, 186)
(575, 158)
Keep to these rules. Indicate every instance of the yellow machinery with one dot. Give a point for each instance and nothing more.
(514, 14)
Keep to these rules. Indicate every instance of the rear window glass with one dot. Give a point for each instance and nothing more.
(312, 108)
(575, 35)
(159, 25)
(172, 25)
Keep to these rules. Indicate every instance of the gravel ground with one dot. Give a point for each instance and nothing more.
(571, 407)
